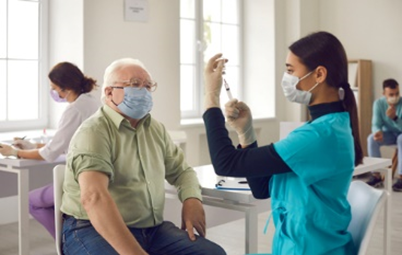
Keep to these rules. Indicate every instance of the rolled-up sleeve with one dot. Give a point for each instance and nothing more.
(90, 151)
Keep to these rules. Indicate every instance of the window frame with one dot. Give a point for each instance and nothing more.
(42, 60)
(198, 96)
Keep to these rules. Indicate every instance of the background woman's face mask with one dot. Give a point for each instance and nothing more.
(137, 102)
(56, 96)
(293, 94)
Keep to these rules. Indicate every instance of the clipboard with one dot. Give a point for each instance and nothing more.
(236, 184)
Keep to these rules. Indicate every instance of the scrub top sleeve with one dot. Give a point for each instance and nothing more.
(68, 124)
(229, 161)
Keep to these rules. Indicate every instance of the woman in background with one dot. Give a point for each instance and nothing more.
(307, 174)
(68, 84)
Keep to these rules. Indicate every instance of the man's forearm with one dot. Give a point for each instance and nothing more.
(107, 221)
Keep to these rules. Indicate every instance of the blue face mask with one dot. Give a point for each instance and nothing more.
(137, 102)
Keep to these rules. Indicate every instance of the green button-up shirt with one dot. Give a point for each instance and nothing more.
(137, 162)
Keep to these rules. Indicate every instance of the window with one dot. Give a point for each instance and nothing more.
(23, 64)
(207, 27)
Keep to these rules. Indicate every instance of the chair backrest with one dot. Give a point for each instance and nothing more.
(366, 203)
(58, 179)
(285, 127)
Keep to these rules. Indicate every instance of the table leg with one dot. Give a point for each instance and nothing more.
(251, 220)
(387, 211)
(251, 227)
(23, 212)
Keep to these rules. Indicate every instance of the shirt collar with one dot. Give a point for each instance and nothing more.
(118, 119)
(319, 110)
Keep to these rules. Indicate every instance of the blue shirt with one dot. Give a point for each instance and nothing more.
(380, 119)
(309, 204)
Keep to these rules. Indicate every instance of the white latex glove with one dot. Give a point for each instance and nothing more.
(239, 117)
(7, 150)
(24, 144)
(213, 81)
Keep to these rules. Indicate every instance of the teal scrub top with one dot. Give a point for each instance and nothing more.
(309, 205)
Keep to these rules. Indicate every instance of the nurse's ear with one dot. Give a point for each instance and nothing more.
(320, 74)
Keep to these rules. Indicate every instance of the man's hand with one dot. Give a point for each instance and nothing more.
(7, 150)
(24, 144)
(391, 112)
(193, 216)
(378, 136)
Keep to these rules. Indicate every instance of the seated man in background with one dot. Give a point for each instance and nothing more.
(118, 161)
(386, 129)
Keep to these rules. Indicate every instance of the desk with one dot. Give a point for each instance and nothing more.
(243, 200)
(21, 168)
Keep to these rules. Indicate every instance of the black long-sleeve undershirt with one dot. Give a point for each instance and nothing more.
(257, 164)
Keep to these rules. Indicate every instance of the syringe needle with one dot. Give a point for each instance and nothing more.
(228, 89)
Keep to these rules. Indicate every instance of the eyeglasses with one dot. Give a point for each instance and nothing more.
(138, 83)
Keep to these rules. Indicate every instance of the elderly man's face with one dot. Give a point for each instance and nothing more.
(124, 77)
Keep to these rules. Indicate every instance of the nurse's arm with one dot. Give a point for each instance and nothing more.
(104, 215)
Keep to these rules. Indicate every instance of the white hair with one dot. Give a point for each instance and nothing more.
(110, 72)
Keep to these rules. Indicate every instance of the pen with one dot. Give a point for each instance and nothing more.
(228, 90)
(243, 182)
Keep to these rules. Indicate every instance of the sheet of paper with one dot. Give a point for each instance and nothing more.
(136, 10)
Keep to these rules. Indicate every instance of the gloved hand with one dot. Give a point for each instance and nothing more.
(213, 81)
(24, 144)
(7, 150)
(239, 117)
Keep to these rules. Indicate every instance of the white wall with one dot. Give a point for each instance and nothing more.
(65, 42)
(368, 30)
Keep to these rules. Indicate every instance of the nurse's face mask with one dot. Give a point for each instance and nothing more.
(137, 101)
(293, 94)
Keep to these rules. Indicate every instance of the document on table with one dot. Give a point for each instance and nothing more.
(233, 184)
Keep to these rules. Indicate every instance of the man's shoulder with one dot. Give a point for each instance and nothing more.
(381, 100)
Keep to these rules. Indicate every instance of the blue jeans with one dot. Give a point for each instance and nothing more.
(80, 237)
(388, 139)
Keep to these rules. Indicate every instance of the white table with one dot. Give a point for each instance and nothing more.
(21, 168)
(243, 200)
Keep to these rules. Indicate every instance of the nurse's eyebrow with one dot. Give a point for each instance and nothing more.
(288, 65)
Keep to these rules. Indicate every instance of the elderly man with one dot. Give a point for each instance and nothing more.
(118, 161)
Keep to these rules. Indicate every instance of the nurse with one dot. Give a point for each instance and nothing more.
(307, 174)
(67, 84)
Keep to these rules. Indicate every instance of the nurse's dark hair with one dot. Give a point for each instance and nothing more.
(324, 49)
(68, 76)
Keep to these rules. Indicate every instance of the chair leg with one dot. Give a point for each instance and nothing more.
(394, 163)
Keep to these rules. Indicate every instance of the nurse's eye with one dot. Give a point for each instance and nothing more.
(289, 71)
